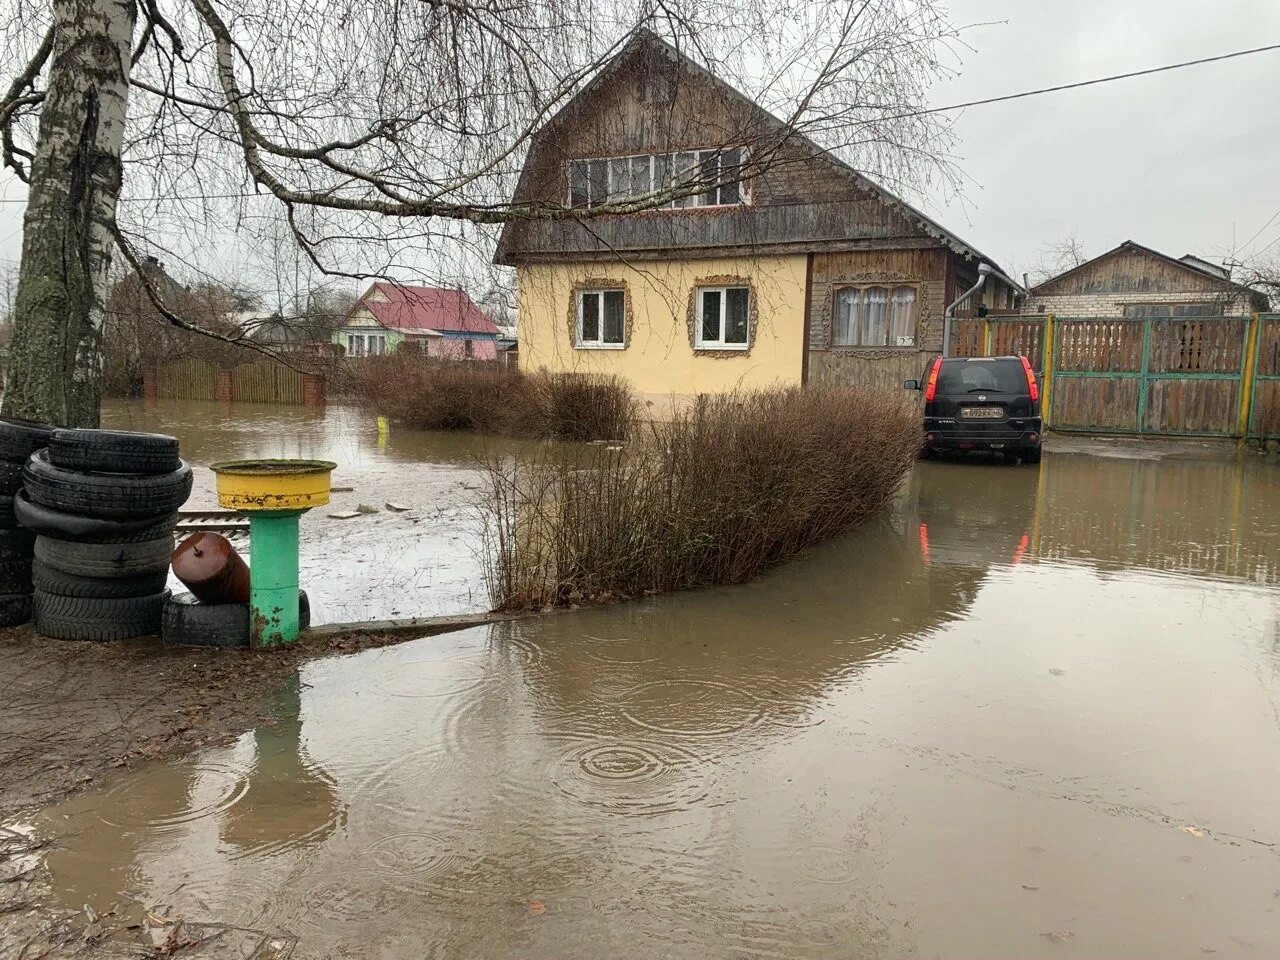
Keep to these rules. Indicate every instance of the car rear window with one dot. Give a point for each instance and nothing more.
(974, 376)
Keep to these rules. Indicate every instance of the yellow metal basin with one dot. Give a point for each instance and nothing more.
(249, 485)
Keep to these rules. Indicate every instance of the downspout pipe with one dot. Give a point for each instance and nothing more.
(984, 270)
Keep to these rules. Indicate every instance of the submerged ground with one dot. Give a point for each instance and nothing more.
(1032, 713)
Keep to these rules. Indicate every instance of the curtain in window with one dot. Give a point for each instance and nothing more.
(875, 319)
(735, 315)
(902, 319)
(613, 303)
(846, 320)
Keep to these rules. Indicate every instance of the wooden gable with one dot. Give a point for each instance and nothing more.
(1131, 268)
(652, 99)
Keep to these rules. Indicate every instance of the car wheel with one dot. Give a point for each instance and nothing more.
(51, 580)
(1031, 456)
(114, 451)
(19, 439)
(96, 618)
(60, 525)
(189, 622)
(928, 453)
(112, 496)
(105, 560)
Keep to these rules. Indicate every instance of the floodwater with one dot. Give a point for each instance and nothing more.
(1035, 713)
(422, 561)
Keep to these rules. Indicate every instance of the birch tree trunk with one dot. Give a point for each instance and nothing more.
(55, 367)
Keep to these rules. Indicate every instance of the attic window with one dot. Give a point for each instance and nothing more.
(616, 179)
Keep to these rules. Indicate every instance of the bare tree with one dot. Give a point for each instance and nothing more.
(1059, 256)
(369, 125)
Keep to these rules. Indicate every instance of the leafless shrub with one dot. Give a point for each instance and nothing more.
(734, 485)
(431, 394)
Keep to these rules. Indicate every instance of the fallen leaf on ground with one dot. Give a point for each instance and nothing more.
(537, 907)
(1194, 831)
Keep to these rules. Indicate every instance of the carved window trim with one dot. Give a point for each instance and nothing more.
(692, 315)
(595, 285)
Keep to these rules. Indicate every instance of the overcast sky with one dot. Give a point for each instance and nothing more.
(1186, 161)
(1180, 161)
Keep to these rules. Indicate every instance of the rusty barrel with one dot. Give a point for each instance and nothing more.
(211, 569)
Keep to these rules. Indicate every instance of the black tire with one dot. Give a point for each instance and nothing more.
(105, 560)
(10, 477)
(48, 522)
(15, 561)
(189, 622)
(114, 451)
(1031, 456)
(19, 439)
(15, 609)
(112, 496)
(86, 618)
(49, 580)
(928, 453)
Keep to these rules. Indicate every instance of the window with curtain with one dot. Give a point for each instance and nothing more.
(874, 316)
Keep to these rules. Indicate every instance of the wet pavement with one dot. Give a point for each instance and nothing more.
(381, 565)
(1035, 713)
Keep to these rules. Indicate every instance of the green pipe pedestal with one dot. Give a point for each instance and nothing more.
(273, 494)
(273, 576)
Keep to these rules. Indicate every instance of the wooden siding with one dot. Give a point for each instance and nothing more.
(1132, 270)
(925, 270)
(652, 103)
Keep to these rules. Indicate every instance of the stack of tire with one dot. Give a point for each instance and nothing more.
(103, 505)
(18, 440)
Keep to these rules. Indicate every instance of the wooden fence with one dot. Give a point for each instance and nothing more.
(1197, 376)
(265, 381)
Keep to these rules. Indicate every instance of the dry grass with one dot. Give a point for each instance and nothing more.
(731, 487)
(453, 395)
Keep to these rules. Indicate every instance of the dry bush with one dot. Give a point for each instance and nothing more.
(736, 484)
(431, 394)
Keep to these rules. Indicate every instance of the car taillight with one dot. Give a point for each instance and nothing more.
(931, 388)
(1031, 379)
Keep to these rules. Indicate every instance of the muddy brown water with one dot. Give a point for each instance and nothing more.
(1034, 713)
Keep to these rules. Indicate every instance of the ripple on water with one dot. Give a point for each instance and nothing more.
(624, 651)
(175, 794)
(440, 677)
(634, 777)
(692, 708)
(822, 863)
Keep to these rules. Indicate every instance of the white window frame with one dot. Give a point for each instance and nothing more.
(600, 344)
(699, 343)
(671, 164)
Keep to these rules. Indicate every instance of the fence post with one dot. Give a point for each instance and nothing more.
(224, 388)
(1248, 377)
(1047, 345)
(986, 337)
(150, 385)
(1140, 426)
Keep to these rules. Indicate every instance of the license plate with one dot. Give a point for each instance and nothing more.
(982, 413)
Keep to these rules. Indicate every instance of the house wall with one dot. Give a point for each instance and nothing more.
(1102, 287)
(886, 367)
(454, 348)
(1112, 304)
(659, 359)
(363, 323)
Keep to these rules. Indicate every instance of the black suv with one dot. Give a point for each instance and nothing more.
(981, 403)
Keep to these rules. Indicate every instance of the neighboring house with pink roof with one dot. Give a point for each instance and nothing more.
(438, 322)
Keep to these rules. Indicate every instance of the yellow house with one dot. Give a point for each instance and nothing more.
(743, 255)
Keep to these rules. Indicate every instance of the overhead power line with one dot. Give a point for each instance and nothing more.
(1081, 83)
